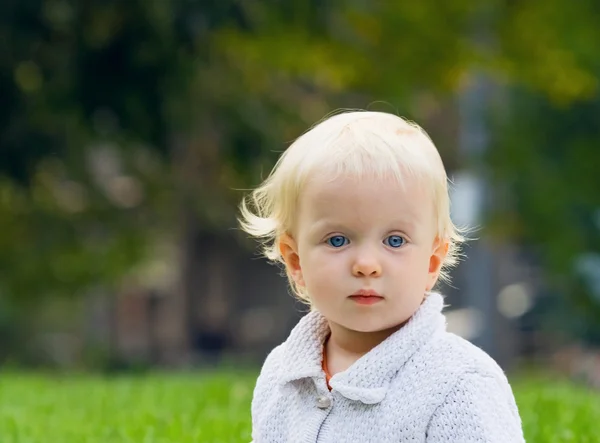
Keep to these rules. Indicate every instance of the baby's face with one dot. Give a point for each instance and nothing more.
(368, 235)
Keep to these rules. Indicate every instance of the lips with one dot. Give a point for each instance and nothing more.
(366, 297)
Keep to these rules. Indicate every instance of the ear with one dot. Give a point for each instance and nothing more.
(289, 251)
(438, 254)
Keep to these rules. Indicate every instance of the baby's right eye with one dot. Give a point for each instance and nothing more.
(337, 241)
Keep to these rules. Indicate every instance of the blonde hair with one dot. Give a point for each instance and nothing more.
(357, 143)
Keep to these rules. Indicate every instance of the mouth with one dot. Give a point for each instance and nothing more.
(366, 297)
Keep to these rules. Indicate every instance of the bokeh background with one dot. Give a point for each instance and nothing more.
(130, 130)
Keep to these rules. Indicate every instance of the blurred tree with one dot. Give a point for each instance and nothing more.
(81, 98)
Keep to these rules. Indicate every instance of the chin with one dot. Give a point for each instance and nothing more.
(367, 327)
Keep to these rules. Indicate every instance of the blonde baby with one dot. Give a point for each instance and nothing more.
(358, 212)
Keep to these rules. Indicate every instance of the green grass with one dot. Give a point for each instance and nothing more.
(215, 408)
(154, 409)
(557, 411)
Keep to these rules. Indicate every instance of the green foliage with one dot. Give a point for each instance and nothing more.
(549, 47)
(82, 182)
(216, 408)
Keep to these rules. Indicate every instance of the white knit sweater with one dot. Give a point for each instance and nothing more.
(422, 384)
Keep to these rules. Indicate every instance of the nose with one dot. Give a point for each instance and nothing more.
(366, 265)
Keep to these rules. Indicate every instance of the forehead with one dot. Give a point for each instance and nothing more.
(359, 199)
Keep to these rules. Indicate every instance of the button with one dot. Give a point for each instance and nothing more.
(323, 402)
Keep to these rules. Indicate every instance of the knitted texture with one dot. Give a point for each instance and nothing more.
(421, 384)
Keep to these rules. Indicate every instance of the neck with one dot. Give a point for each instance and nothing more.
(355, 344)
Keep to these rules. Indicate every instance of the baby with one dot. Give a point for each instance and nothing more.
(357, 210)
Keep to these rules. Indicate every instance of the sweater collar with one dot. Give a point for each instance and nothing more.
(368, 379)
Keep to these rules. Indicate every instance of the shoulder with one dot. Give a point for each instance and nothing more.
(478, 404)
(267, 378)
(449, 360)
(478, 408)
(271, 367)
(474, 395)
(460, 357)
(472, 373)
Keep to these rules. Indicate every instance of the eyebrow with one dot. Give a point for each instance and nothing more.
(323, 225)
(326, 225)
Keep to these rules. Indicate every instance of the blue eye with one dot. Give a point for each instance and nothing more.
(394, 241)
(337, 241)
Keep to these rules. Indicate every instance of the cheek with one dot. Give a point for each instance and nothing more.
(414, 264)
(420, 269)
(321, 268)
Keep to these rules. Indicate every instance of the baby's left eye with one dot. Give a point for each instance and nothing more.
(394, 241)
